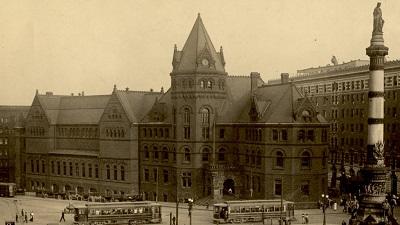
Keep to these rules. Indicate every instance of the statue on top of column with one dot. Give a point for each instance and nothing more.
(378, 21)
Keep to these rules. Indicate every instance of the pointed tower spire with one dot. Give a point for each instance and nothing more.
(198, 53)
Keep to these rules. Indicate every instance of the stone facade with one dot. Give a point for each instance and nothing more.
(12, 144)
(210, 135)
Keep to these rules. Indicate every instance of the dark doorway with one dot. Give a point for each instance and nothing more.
(229, 187)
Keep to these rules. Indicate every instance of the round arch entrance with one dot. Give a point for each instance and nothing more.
(229, 187)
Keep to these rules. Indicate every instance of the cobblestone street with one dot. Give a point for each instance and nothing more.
(47, 211)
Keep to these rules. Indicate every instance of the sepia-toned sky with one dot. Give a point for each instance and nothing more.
(67, 46)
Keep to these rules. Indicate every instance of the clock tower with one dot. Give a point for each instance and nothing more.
(198, 93)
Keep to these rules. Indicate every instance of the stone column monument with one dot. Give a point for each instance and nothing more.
(373, 194)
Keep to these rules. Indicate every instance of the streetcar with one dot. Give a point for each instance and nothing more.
(7, 189)
(113, 213)
(253, 211)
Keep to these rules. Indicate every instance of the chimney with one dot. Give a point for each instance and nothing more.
(83, 93)
(79, 94)
(162, 89)
(49, 93)
(254, 77)
(151, 89)
(126, 89)
(284, 78)
(72, 94)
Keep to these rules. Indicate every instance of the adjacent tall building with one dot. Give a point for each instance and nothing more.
(209, 135)
(12, 144)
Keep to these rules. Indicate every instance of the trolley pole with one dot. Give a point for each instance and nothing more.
(177, 198)
(281, 219)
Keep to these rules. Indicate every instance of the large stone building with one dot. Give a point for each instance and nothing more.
(210, 134)
(85, 144)
(12, 143)
(341, 95)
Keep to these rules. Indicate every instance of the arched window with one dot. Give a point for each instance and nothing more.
(205, 154)
(209, 84)
(306, 160)
(205, 115)
(122, 173)
(146, 152)
(155, 152)
(187, 155)
(279, 159)
(202, 84)
(221, 154)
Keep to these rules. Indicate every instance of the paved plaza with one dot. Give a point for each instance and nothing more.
(47, 210)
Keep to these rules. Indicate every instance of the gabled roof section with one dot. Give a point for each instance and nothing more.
(198, 47)
(72, 110)
(161, 110)
(281, 103)
(137, 103)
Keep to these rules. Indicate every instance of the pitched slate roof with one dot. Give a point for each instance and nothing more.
(81, 109)
(198, 46)
(137, 103)
(64, 109)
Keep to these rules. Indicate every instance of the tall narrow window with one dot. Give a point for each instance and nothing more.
(83, 170)
(146, 152)
(37, 165)
(146, 175)
(187, 154)
(186, 122)
(187, 179)
(58, 168)
(70, 169)
(96, 171)
(279, 159)
(115, 173)
(221, 154)
(306, 160)
(205, 154)
(64, 168)
(43, 167)
(90, 170)
(122, 173)
(278, 187)
(108, 172)
(77, 169)
(205, 116)
(274, 135)
(165, 176)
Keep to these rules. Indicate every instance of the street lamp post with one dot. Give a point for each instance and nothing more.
(325, 204)
(190, 203)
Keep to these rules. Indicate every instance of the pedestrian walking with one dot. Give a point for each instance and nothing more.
(22, 212)
(62, 216)
(173, 220)
(26, 217)
(31, 219)
(16, 217)
(306, 217)
(303, 218)
(343, 222)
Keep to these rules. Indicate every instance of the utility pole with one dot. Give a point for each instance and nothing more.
(177, 197)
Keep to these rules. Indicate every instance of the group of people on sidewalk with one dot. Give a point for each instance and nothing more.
(304, 218)
(24, 216)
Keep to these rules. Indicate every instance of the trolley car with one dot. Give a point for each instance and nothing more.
(118, 213)
(253, 211)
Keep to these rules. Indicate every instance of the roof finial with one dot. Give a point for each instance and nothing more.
(115, 88)
(37, 92)
(175, 48)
